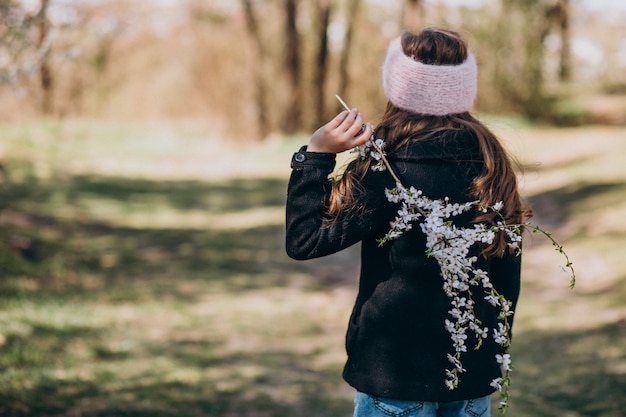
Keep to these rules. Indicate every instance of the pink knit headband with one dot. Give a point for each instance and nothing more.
(435, 90)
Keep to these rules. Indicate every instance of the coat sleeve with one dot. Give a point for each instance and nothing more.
(308, 236)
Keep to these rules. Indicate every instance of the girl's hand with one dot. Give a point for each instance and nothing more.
(342, 133)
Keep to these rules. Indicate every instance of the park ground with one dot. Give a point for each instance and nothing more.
(143, 273)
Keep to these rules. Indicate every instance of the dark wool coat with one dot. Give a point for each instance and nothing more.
(396, 341)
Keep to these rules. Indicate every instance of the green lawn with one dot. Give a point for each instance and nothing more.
(142, 273)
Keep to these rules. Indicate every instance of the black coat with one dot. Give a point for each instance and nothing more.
(396, 341)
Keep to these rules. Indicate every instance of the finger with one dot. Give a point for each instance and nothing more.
(346, 124)
(363, 137)
(357, 126)
(350, 127)
(338, 120)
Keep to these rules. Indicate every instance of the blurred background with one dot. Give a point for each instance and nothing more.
(277, 64)
(144, 158)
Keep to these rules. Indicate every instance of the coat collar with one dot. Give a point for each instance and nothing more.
(453, 145)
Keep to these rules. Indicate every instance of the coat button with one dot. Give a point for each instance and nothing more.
(299, 157)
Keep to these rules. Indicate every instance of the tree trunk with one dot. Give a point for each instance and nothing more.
(344, 60)
(293, 113)
(538, 28)
(321, 68)
(46, 81)
(565, 64)
(258, 71)
(524, 84)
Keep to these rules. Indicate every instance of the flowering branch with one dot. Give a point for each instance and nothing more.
(450, 246)
(559, 248)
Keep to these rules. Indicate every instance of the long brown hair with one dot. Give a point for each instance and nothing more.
(497, 182)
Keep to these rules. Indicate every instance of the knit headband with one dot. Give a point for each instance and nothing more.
(435, 90)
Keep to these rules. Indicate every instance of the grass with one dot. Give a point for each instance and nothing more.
(142, 273)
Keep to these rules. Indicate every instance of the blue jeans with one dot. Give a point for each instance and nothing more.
(369, 406)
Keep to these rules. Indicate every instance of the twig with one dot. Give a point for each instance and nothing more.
(378, 149)
(343, 103)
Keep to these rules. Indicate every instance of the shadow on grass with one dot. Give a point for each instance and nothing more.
(56, 253)
(555, 208)
(47, 259)
(557, 373)
(290, 389)
(51, 264)
(227, 196)
(578, 373)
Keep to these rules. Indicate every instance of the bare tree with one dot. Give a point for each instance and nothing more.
(27, 57)
(13, 39)
(293, 113)
(45, 73)
(259, 78)
(351, 19)
(559, 13)
(324, 8)
(524, 26)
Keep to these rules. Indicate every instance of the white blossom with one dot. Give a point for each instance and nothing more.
(500, 334)
(497, 383)
(504, 360)
(492, 299)
(451, 246)
(368, 150)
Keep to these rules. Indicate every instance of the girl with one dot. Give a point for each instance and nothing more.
(397, 343)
